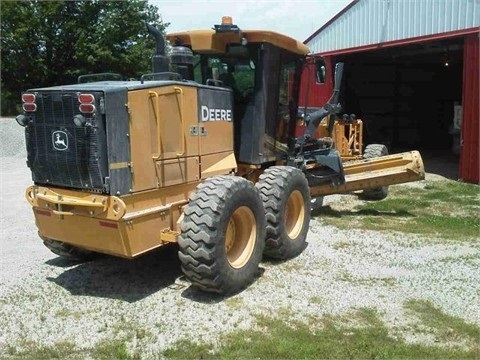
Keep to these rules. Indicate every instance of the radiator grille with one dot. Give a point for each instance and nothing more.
(59, 153)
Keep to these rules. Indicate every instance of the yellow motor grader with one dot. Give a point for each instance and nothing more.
(202, 152)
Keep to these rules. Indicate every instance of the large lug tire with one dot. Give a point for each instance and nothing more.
(286, 200)
(374, 151)
(223, 235)
(69, 252)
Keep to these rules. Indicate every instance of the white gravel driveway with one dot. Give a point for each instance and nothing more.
(46, 301)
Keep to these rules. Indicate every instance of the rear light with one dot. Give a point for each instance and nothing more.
(29, 102)
(87, 108)
(28, 98)
(29, 107)
(86, 103)
(86, 99)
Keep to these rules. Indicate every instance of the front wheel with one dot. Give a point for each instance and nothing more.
(286, 200)
(223, 234)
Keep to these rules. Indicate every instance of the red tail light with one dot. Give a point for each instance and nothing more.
(29, 107)
(28, 98)
(29, 102)
(87, 108)
(86, 103)
(86, 99)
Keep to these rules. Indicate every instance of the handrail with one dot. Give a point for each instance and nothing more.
(167, 75)
(179, 90)
(157, 120)
(176, 90)
(114, 76)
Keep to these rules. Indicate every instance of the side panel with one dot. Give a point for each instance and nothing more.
(162, 143)
(215, 118)
(215, 126)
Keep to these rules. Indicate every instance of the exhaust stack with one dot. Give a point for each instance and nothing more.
(160, 62)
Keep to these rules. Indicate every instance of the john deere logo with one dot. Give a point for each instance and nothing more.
(60, 140)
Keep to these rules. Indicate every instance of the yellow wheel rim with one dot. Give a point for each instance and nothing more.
(240, 237)
(294, 214)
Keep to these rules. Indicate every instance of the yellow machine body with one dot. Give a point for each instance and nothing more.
(171, 152)
(174, 143)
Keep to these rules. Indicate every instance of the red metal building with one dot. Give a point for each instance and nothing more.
(411, 73)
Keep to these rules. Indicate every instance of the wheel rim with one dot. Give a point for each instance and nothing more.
(240, 237)
(294, 214)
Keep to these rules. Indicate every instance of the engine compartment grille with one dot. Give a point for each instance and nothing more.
(62, 154)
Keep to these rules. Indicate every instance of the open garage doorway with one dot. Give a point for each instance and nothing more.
(409, 97)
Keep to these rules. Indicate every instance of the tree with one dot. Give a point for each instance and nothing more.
(47, 43)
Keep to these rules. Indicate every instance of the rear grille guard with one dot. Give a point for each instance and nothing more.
(67, 203)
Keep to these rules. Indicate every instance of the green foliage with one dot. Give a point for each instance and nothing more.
(47, 43)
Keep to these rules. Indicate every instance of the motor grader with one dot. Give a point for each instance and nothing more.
(201, 152)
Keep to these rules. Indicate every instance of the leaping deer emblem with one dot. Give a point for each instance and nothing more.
(60, 140)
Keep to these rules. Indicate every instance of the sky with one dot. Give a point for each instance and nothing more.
(296, 18)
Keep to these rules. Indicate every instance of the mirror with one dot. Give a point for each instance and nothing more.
(321, 70)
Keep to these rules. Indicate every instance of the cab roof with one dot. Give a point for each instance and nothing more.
(210, 41)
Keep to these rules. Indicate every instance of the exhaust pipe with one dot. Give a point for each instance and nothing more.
(160, 62)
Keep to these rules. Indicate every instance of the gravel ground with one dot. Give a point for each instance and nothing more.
(46, 300)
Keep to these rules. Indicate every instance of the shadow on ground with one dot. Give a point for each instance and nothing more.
(122, 279)
(328, 211)
(132, 280)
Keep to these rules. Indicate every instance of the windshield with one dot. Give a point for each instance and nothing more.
(236, 72)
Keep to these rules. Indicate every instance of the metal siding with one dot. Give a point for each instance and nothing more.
(375, 21)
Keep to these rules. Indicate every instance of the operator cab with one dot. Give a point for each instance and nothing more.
(262, 68)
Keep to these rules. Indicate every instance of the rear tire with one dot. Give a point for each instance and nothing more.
(223, 235)
(69, 252)
(374, 151)
(286, 200)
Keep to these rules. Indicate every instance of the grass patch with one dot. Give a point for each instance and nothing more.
(104, 350)
(112, 349)
(447, 209)
(34, 351)
(108, 349)
(331, 338)
(446, 327)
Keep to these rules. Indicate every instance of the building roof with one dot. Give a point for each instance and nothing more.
(376, 22)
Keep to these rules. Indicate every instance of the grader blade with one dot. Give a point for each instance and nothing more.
(377, 172)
